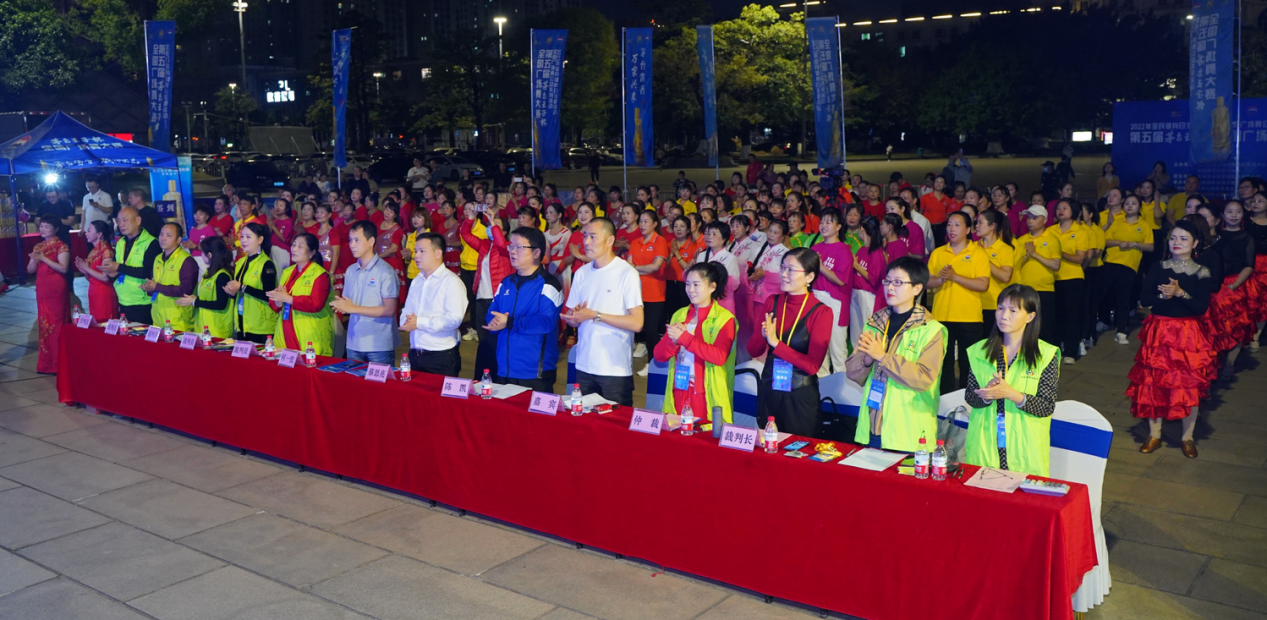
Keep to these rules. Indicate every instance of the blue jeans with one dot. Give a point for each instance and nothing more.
(373, 357)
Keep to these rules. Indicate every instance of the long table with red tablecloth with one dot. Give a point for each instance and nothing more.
(877, 545)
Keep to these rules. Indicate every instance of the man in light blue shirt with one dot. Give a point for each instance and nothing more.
(370, 294)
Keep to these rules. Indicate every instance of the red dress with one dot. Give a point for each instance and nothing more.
(52, 302)
(103, 301)
(1176, 360)
(388, 238)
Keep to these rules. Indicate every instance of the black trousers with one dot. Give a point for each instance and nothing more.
(939, 234)
(674, 298)
(1094, 293)
(652, 325)
(617, 389)
(447, 363)
(138, 314)
(1048, 331)
(544, 384)
(987, 321)
(1117, 281)
(797, 412)
(1070, 299)
(959, 336)
(468, 278)
(486, 352)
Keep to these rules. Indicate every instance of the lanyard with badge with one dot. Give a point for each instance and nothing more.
(783, 368)
(242, 293)
(684, 369)
(1000, 418)
(289, 286)
(875, 395)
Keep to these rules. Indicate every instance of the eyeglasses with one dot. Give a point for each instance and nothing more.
(517, 248)
(787, 269)
(890, 283)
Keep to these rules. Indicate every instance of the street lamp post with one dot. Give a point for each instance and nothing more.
(378, 93)
(500, 21)
(240, 8)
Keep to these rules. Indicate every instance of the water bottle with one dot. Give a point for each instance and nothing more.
(406, 370)
(167, 331)
(688, 421)
(206, 336)
(269, 347)
(921, 459)
(771, 436)
(939, 461)
(123, 320)
(310, 357)
(718, 421)
(575, 403)
(74, 314)
(486, 386)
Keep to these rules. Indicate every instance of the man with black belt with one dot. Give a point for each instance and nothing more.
(137, 250)
(434, 310)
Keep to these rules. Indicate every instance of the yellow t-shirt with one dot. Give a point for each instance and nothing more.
(1097, 243)
(470, 257)
(1177, 207)
(953, 303)
(1121, 230)
(1146, 214)
(1000, 255)
(688, 207)
(411, 268)
(1075, 240)
(1031, 272)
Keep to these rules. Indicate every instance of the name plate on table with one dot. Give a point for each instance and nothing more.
(84, 321)
(543, 403)
(112, 327)
(644, 421)
(188, 341)
(378, 372)
(739, 438)
(152, 334)
(243, 349)
(288, 359)
(456, 388)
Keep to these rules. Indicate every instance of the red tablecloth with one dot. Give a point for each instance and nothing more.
(876, 545)
(9, 264)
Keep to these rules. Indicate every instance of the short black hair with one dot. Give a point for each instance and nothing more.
(915, 269)
(205, 209)
(536, 241)
(607, 225)
(437, 241)
(367, 228)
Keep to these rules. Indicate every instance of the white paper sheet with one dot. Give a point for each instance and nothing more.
(874, 460)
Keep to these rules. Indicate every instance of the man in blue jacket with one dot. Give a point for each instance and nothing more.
(524, 316)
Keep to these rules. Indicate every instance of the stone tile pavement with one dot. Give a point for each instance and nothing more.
(102, 519)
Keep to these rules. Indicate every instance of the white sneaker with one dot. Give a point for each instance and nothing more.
(1121, 338)
(470, 335)
(1082, 348)
(1068, 361)
(1101, 327)
(646, 370)
(640, 350)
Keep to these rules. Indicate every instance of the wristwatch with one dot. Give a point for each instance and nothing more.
(598, 317)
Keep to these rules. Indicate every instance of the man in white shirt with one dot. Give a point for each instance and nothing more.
(97, 204)
(605, 305)
(419, 176)
(434, 310)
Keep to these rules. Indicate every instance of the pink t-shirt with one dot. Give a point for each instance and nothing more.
(837, 258)
(196, 236)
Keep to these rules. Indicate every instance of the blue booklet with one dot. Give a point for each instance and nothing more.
(358, 372)
(343, 366)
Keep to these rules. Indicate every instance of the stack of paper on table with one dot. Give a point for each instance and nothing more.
(996, 480)
(874, 460)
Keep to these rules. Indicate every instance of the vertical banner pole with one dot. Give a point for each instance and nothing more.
(532, 101)
(840, 60)
(624, 116)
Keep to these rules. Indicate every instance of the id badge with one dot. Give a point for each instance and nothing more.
(1002, 432)
(782, 375)
(285, 312)
(241, 304)
(120, 280)
(154, 297)
(682, 370)
(875, 396)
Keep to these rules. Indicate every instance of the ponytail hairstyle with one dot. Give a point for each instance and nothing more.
(713, 273)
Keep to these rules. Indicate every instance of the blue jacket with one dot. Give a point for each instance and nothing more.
(529, 344)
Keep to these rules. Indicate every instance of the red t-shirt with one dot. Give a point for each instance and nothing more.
(577, 241)
(223, 224)
(874, 209)
(623, 234)
(643, 252)
(935, 210)
(688, 250)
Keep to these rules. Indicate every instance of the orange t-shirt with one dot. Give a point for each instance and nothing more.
(935, 210)
(689, 249)
(643, 252)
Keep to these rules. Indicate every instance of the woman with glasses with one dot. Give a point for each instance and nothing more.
(796, 332)
(898, 363)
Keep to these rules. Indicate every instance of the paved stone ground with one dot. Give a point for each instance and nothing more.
(101, 519)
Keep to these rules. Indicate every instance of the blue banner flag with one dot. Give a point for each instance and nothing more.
(829, 105)
(708, 82)
(172, 190)
(160, 62)
(340, 54)
(548, 47)
(639, 143)
(1210, 79)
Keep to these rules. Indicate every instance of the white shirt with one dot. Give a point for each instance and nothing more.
(613, 290)
(423, 172)
(723, 258)
(439, 303)
(92, 213)
(746, 249)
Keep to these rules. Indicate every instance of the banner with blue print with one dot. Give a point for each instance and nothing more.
(548, 48)
(160, 63)
(708, 83)
(1210, 79)
(1146, 132)
(640, 145)
(340, 55)
(829, 105)
(172, 192)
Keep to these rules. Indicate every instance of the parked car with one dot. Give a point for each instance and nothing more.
(261, 175)
(576, 157)
(354, 160)
(450, 167)
(392, 166)
(488, 160)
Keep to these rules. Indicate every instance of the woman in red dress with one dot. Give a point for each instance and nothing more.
(103, 302)
(391, 240)
(50, 260)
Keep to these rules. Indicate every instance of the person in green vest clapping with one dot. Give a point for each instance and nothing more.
(898, 363)
(132, 264)
(1012, 389)
(699, 345)
(253, 276)
(302, 300)
(212, 305)
(175, 276)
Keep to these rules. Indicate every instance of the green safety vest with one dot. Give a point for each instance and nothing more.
(719, 381)
(129, 290)
(219, 322)
(1028, 437)
(164, 308)
(257, 316)
(314, 327)
(907, 414)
